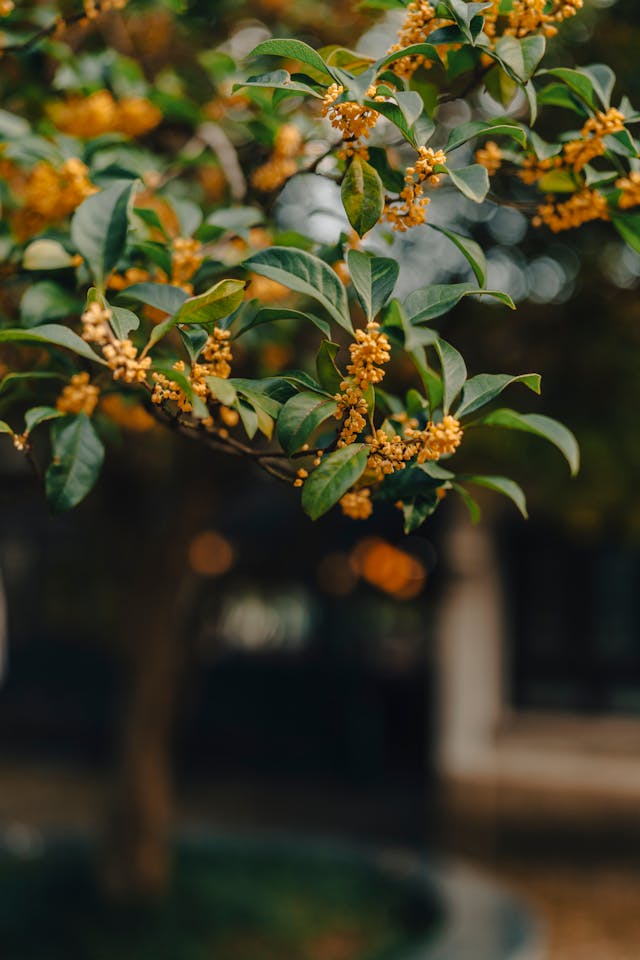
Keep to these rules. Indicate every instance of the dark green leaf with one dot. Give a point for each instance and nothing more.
(454, 373)
(292, 50)
(478, 128)
(501, 485)
(328, 374)
(39, 415)
(485, 387)
(272, 314)
(77, 459)
(330, 481)
(362, 195)
(373, 279)
(99, 228)
(472, 181)
(162, 296)
(53, 334)
(304, 273)
(300, 417)
(545, 427)
(471, 250)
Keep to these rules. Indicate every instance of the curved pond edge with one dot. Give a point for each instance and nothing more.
(480, 920)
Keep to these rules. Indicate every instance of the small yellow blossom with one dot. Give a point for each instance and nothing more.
(409, 210)
(95, 323)
(490, 157)
(357, 504)
(630, 186)
(583, 206)
(282, 164)
(354, 121)
(79, 396)
(126, 365)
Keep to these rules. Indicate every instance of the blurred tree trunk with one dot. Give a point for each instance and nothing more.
(137, 857)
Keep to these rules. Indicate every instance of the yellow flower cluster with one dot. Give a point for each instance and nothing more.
(389, 453)
(282, 163)
(51, 194)
(6, 7)
(165, 389)
(409, 210)
(79, 396)
(354, 121)
(531, 16)
(419, 23)
(186, 258)
(100, 113)
(583, 206)
(217, 353)
(534, 169)
(120, 281)
(577, 153)
(126, 365)
(490, 157)
(630, 186)
(357, 504)
(95, 324)
(94, 7)
(368, 352)
(437, 439)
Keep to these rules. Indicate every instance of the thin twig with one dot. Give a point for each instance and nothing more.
(60, 23)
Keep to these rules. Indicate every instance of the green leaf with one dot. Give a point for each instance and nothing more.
(162, 296)
(200, 410)
(77, 459)
(501, 485)
(328, 373)
(373, 279)
(55, 335)
(217, 302)
(472, 181)
(471, 250)
(479, 128)
(307, 274)
(336, 474)
(280, 80)
(629, 229)
(454, 372)
(13, 378)
(472, 505)
(576, 80)
(426, 50)
(46, 255)
(292, 50)
(415, 512)
(39, 415)
(426, 304)
(603, 80)
(500, 85)
(272, 314)
(520, 58)
(300, 417)
(5, 428)
(362, 195)
(485, 387)
(249, 418)
(545, 427)
(44, 301)
(99, 228)
(222, 390)
(392, 179)
(123, 322)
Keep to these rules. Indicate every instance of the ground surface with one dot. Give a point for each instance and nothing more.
(582, 874)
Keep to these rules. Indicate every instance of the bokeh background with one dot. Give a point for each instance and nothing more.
(468, 690)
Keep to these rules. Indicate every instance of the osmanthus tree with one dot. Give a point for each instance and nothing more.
(145, 274)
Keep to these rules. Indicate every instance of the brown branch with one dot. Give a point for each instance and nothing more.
(59, 24)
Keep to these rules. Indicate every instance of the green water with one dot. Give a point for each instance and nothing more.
(224, 904)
